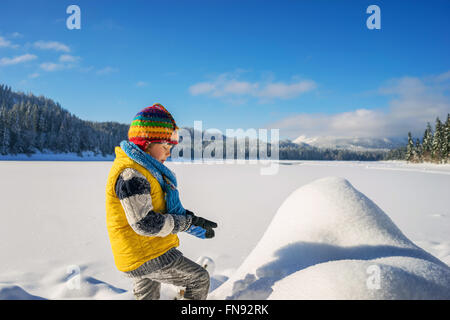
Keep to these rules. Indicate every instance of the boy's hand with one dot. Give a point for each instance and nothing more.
(203, 223)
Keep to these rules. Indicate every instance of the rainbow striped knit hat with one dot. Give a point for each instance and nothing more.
(153, 124)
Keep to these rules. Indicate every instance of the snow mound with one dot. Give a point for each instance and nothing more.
(14, 292)
(61, 283)
(329, 241)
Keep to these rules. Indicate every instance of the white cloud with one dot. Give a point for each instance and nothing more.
(86, 69)
(68, 58)
(201, 88)
(443, 76)
(228, 85)
(4, 43)
(234, 87)
(51, 66)
(16, 35)
(141, 84)
(16, 60)
(33, 75)
(286, 91)
(52, 45)
(414, 102)
(65, 61)
(106, 70)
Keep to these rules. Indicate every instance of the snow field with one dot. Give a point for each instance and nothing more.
(52, 225)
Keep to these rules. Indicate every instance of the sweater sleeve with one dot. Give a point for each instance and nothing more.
(133, 191)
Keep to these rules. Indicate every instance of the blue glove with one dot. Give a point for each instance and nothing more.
(201, 227)
(197, 231)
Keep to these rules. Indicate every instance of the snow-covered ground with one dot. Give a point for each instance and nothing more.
(355, 230)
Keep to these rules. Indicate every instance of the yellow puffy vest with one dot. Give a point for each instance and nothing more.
(130, 250)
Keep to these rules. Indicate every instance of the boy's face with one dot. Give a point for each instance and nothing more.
(159, 151)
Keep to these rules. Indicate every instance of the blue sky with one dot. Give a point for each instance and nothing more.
(305, 67)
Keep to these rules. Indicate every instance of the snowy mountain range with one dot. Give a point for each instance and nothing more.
(353, 143)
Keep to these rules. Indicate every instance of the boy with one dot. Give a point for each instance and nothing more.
(144, 212)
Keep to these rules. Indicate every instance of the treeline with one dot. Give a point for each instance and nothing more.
(293, 151)
(29, 124)
(434, 147)
(244, 148)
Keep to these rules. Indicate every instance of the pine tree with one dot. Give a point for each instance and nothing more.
(436, 149)
(410, 148)
(5, 141)
(418, 151)
(446, 140)
(427, 142)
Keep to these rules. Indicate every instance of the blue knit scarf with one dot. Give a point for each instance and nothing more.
(166, 179)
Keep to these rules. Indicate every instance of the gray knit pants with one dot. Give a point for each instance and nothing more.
(181, 272)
